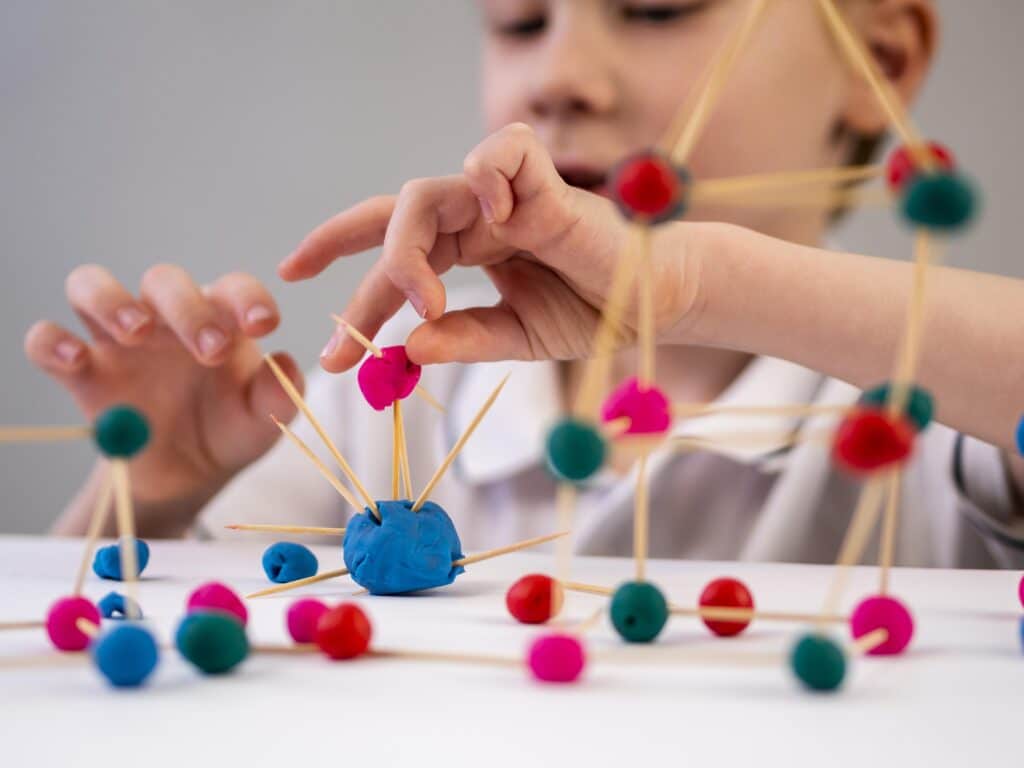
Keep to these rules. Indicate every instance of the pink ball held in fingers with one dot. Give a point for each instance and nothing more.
(388, 378)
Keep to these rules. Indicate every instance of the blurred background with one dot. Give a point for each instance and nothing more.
(216, 133)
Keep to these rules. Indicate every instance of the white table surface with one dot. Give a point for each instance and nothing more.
(956, 699)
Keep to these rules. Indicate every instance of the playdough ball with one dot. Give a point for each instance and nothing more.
(1020, 591)
(726, 593)
(115, 606)
(638, 611)
(213, 641)
(818, 663)
(387, 378)
(285, 561)
(121, 432)
(941, 201)
(556, 658)
(405, 552)
(107, 563)
(126, 655)
(648, 410)
(215, 596)
(646, 186)
(302, 619)
(1020, 436)
(919, 410)
(901, 167)
(882, 612)
(868, 440)
(534, 599)
(343, 632)
(61, 622)
(575, 450)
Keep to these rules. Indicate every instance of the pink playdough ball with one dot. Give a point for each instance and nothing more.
(387, 378)
(215, 596)
(556, 658)
(61, 618)
(648, 410)
(1020, 591)
(302, 618)
(881, 612)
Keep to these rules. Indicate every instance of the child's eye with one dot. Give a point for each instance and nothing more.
(526, 27)
(661, 13)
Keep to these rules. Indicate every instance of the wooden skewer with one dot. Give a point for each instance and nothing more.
(458, 445)
(786, 179)
(265, 528)
(321, 467)
(869, 642)
(645, 324)
(298, 583)
(403, 452)
(701, 656)
(301, 649)
(396, 451)
(13, 625)
(87, 628)
(641, 514)
(97, 522)
(823, 200)
(43, 434)
(910, 351)
(751, 439)
(126, 533)
(509, 548)
(885, 554)
(296, 398)
(565, 503)
(698, 410)
(588, 623)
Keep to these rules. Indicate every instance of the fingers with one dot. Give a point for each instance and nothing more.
(480, 334)
(194, 319)
(266, 397)
(105, 306)
(352, 231)
(248, 301)
(56, 350)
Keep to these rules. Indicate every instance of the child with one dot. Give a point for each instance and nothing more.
(595, 81)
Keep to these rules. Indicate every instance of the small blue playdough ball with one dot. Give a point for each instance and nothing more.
(405, 551)
(115, 606)
(126, 655)
(941, 201)
(107, 563)
(818, 662)
(286, 561)
(1020, 436)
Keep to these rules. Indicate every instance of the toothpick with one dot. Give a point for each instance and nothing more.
(321, 467)
(641, 512)
(645, 324)
(296, 398)
(298, 583)
(98, 520)
(785, 439)
(869, 642)
(698, 410)
(43, 434)
(725, 187)
(396, 450)
(403, 452)
(87, 628)
(885, 553)
(459, 445)
(444, 656)
(491, 553)
(17, 625)
(910, 351)
(265, 528)
(126, 534)
(817, 200)
(565, 507)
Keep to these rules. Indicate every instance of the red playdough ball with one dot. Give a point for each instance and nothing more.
(534, 599)
(387, 378)
(726, 593)
(883, 612)
(61, 622)
(302, 618)
(343, 632)
(869, 439)
(214, 596)
(556, 658)
(648, 410)
(901, 167)
(647, 185)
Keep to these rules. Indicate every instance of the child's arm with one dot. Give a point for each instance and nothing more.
(550, 250)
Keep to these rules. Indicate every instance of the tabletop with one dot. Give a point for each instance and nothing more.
(953, 699)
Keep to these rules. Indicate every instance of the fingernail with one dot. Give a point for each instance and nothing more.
(486, 210)
(211, 340)
(131, 319)
(68, 351)
(257, 314)
(417, 304)
(331, 346)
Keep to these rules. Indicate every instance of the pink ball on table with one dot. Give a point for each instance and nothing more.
(1020, 591)
(215, 596)
(302, 618)
(556, 658)
(888, 613)
(61, 622)
(648, 410)
(387, 378)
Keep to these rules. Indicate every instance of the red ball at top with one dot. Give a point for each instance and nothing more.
(647, 186)
(902, 166)
(868, 439)
(534, 599)
(726, 593)
(343, 632)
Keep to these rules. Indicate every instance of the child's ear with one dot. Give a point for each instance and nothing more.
(902, 36)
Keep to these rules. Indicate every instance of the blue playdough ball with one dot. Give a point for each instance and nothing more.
(126, 655)
(107, 563)
(405, 552)
(286, 561)
(1020, 436)
(114, 606)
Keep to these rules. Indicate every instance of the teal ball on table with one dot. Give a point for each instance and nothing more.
(638, 611)
(940, 200)
(121, 432)
(213, 641)
(575, 450)
(818, 662)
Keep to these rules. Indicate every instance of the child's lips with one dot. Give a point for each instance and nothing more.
(585, 178)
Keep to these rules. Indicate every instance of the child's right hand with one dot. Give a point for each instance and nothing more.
(187, 358)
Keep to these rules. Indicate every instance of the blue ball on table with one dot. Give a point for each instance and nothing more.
(126, 655)
(114, 605)
(404, 551)
(286, 561)
(107, 563)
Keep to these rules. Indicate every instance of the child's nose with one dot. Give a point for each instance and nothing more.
(573, 77)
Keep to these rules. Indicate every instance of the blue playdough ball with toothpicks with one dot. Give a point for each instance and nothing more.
(126, 655)
(121, 432)
(107, 562)
(286, 561)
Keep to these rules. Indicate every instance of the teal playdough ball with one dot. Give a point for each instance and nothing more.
(121, 432)
(575, 450)
(213, 641)
(919, 410)
(638, 611)
(942, 200)
(818, 663)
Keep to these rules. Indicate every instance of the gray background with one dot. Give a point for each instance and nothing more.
(214, 134)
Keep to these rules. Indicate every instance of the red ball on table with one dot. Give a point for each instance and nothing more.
(534, 599)
(343, 632)
(726, 593)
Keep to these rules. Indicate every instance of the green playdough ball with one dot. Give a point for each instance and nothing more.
(943, 201)
(575, 449)
(639, 611)
(920, 407)
(121, 432)
(818, 663)
(213, 641)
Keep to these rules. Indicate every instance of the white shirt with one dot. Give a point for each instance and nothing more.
(766, 503)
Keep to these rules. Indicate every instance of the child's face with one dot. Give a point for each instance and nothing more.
(599, 79)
